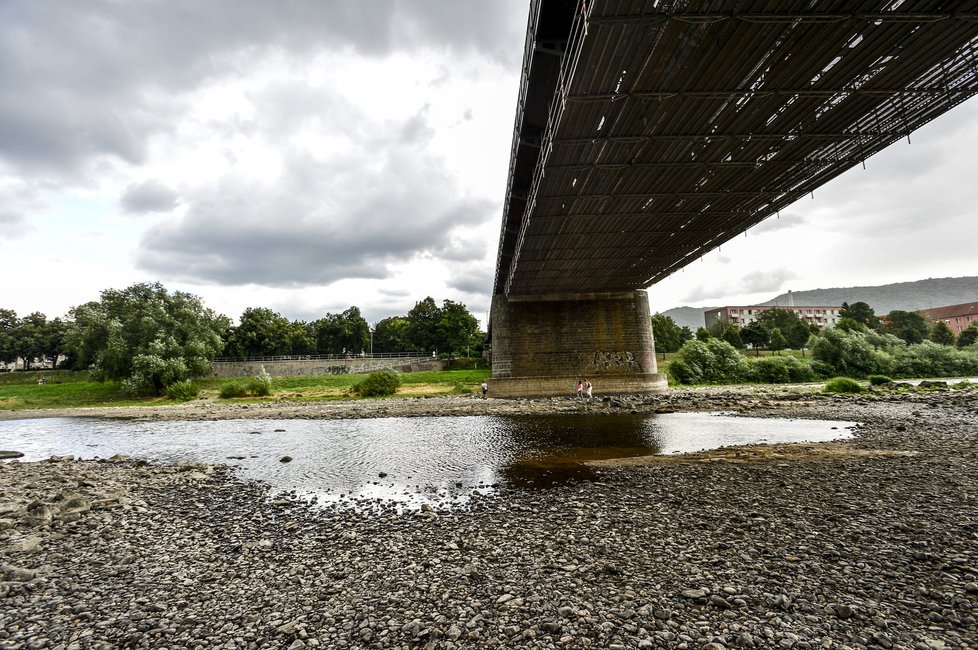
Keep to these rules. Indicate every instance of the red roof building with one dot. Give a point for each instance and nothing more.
(957, 317)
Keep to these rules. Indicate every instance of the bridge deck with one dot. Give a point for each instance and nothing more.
(648, 133)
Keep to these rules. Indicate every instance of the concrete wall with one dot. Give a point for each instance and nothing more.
(541, 345)
(318, 367)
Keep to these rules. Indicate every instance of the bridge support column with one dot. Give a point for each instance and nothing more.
(543, 344)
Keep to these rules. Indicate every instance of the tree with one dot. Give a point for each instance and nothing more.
(968, 336)
(260, 332)
(861, 313)
(423, 322)
(942, 334)
(777, 341)
(8, 328)
(731, 334)
(146, 336)
(703, 334)
(391, 335)
(29, 338)
(458, 330)
(302, 338)
(756, 336)
(53, 345)
(665, 333)
(345, 333)
(907, 325)
(792, 328)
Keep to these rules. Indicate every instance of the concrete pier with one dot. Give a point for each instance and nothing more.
(543, 344)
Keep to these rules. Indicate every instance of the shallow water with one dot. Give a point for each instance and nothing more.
(408, 461)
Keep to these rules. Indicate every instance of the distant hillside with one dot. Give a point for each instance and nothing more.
(907, 296)
(691, 317)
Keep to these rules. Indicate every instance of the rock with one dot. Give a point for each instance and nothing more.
(6, 455)
(38, 514)
(702, 592)
(25, 545)
(16, 573)
(285, 459)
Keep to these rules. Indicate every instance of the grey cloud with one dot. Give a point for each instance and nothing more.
(149, 196)
(770, 280)
(12, 224)
(99, 78)
(473, 280)
(757, 282)
(320, 222)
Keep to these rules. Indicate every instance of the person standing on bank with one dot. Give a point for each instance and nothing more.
(587, 388)
(485, 389)
(580, 389)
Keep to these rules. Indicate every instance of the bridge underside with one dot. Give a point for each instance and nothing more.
(650, 132)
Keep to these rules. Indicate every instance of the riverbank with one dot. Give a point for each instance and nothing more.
(875, 547)
(746, 398)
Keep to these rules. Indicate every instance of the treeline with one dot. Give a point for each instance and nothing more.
(447, 329)
(781, 329)
(150, 338)
(861, 345)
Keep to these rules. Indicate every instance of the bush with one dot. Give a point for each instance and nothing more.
(850, 353)
(182, 391)
(376, 384)
(234, 389)
(843, 385)
(261, 386)
(712, 360)
(779, 370)
(822, 369)
(879, 380)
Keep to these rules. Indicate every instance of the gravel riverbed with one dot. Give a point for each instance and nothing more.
(876, 547)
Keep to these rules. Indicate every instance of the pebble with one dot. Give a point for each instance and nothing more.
(857, 552)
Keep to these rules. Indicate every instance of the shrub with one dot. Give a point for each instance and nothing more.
(261, 386)
(234, 389)
(779, 370)
(713, 360)
(376, 384)
(183, 391)
(843, 385)
(822, 369)
(879, 380)
(850, 353)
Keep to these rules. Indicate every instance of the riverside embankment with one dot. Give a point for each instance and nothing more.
(868, 543)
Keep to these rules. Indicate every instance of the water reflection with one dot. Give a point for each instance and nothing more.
(410, 461)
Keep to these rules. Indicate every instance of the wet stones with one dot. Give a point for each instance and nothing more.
(869, 552)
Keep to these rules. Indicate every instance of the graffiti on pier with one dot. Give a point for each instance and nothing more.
(337, 370)
(612, 361)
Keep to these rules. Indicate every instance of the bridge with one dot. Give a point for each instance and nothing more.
(649, 132)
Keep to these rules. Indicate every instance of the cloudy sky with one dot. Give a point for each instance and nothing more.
(308, 156)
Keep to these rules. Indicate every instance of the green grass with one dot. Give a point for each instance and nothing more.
(67, 394)
(65, 389)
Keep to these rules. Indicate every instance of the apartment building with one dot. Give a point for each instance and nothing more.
(957, 317)
(741, 316)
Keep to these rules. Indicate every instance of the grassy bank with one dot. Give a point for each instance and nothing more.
(64, 389)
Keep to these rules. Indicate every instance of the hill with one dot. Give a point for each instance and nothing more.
(907, 296)
(691, 317)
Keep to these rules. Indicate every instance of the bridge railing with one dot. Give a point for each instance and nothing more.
(314, 357)
(568, 68)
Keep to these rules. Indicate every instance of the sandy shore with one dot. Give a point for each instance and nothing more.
(867, 544)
